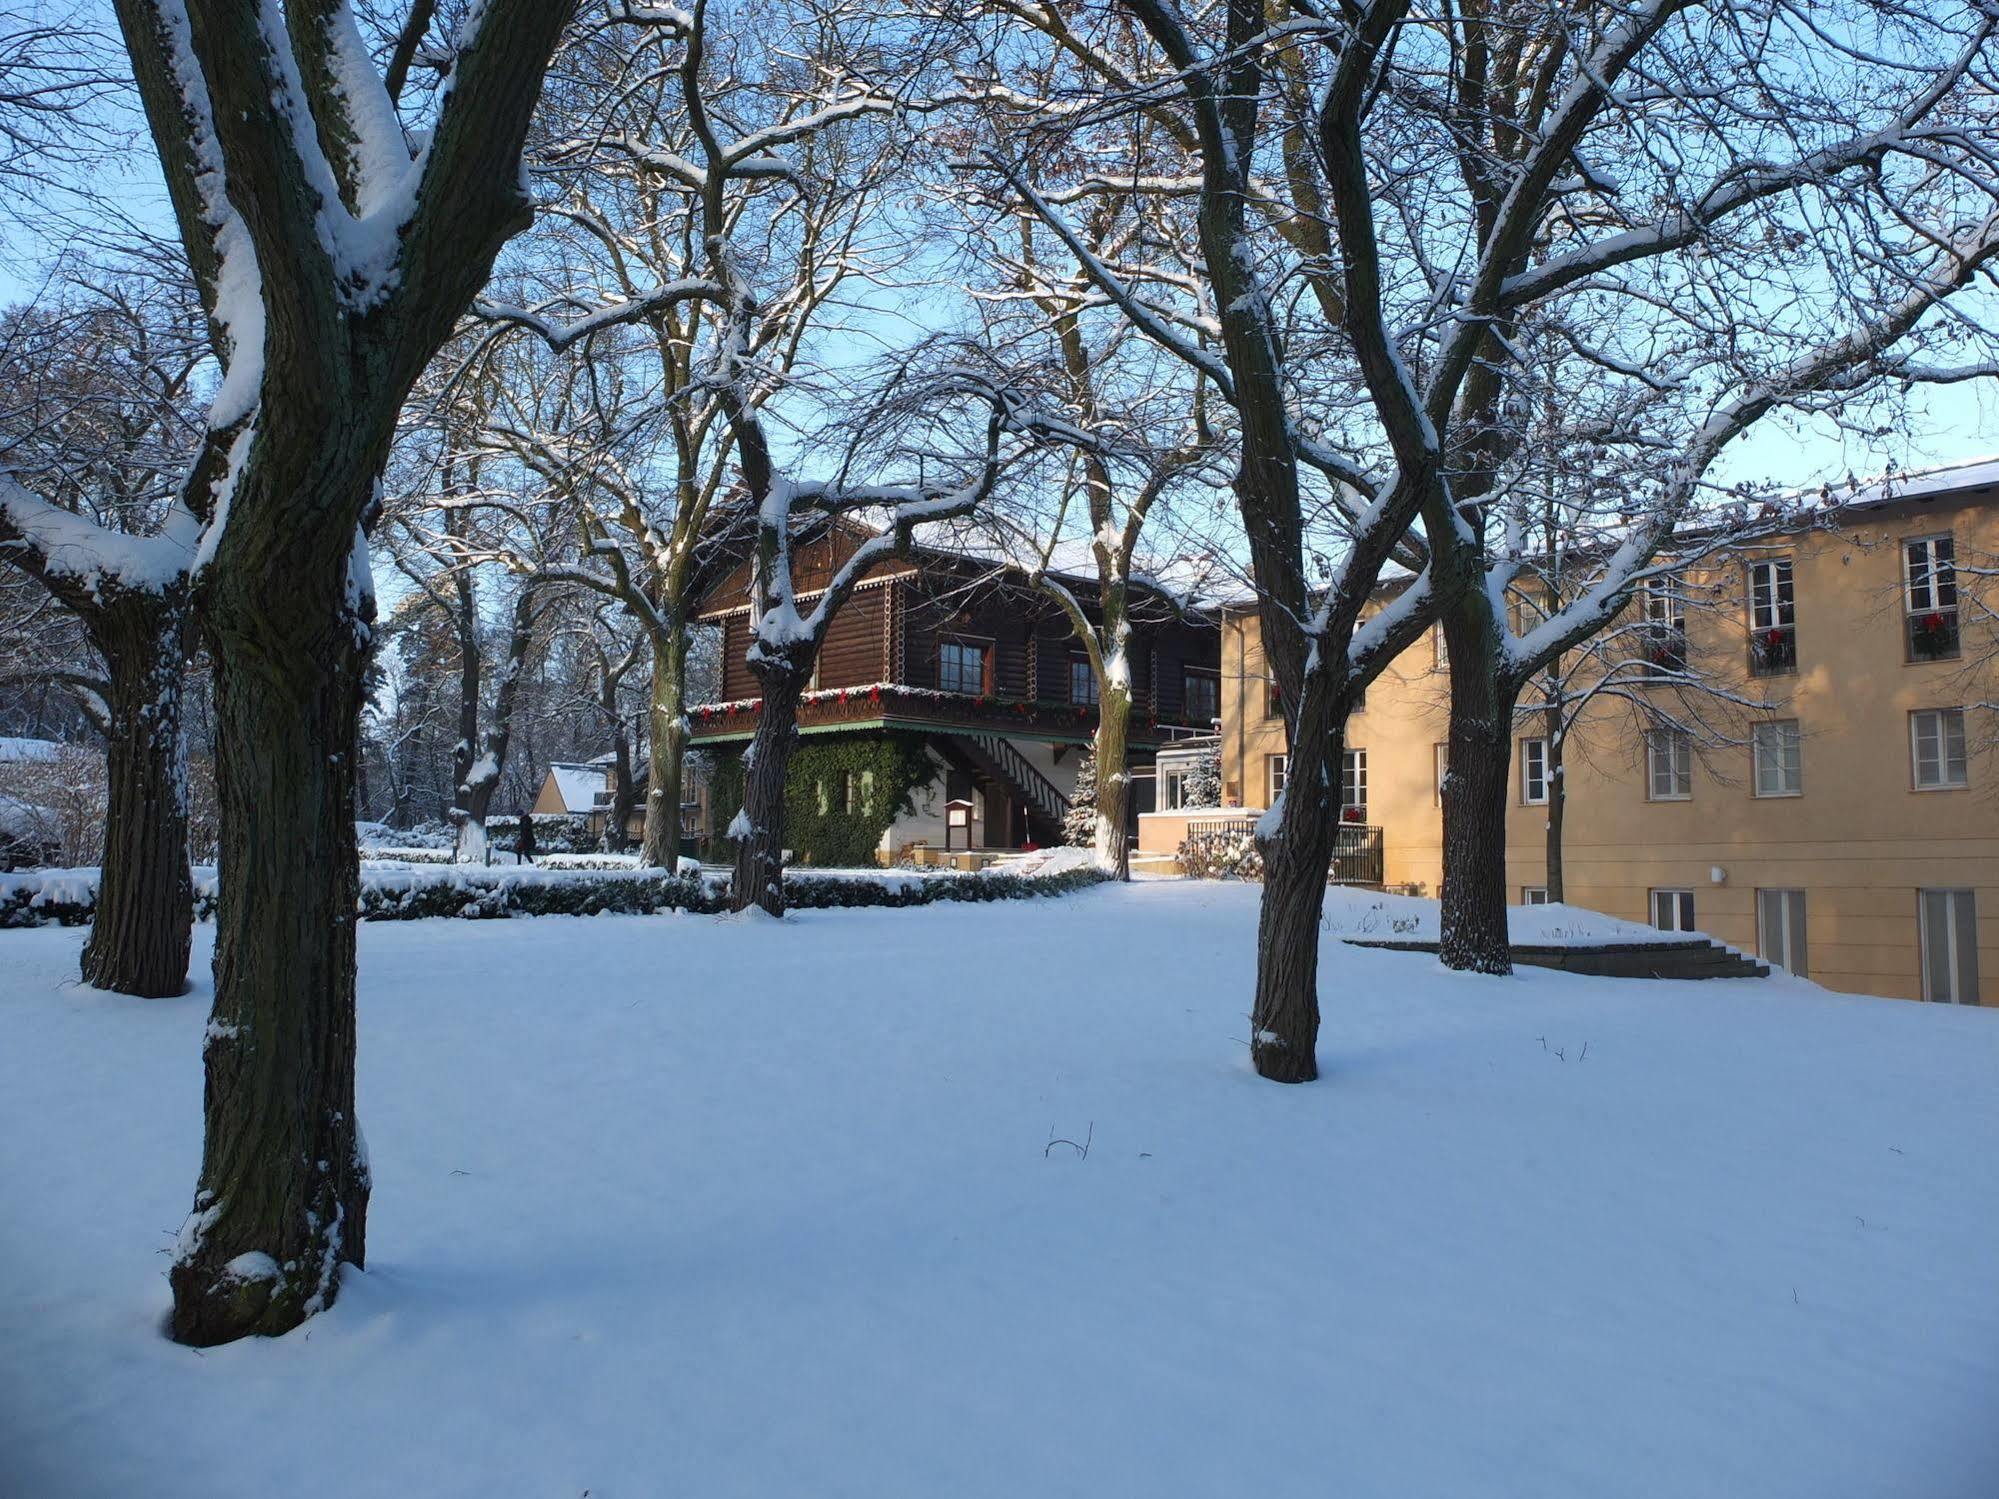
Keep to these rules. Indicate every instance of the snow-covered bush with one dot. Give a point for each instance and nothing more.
(68, 897)
(554, 833)
(1220, 854)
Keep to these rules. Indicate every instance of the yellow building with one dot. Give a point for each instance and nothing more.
(1852, 830)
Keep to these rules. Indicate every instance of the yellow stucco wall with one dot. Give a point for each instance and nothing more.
(1860, 840)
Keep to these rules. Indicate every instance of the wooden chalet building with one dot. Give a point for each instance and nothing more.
(958, 649)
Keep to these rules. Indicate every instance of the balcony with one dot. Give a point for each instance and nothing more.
(889, 705)
(1933, 635)
(1663, 650)
(1773, 652)
(1358, 850)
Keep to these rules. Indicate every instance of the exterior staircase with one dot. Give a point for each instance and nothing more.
(1685, 958)
(994, 758)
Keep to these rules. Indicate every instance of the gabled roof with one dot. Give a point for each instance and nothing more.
(578, 785)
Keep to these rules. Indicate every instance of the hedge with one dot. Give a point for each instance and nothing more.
(68, 897)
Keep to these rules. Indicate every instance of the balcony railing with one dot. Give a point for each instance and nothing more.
(1358, 850)
(1774, 651)
(833, 707)
(1933, 635)
(1664, 650)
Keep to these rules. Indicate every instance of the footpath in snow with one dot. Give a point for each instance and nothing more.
(701, 1206)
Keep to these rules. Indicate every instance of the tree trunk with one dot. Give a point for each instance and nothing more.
(1472, 931)
(1113, 846)
(759, 831)
(471, 847)
(1558, 805)
(1284, 1025)
(283, 1194)
(616, 837)
(142, 927)
(667, 749)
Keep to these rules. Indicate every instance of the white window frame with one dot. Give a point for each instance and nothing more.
(1533, 895)
(1778, 610)
(1682, 909)
(1666, 602)
(1353, 780)
(1440, 767)
(1441, 646)
(1959, 910)
(1172, 790)
(1789, 764)
(1943, 719)
(1782, 930)
(1680, 768)
(1533, 772)
(1276, 771)
(1939, 573)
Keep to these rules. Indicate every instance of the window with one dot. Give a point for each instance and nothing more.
(1780, 929)
(1533, 895)
(1353, 785)
(1441, 646)
(1534, 772)
(1773, 618)
(961, 667)
(1669, 765)
(853, 792)
(1948, 922)
(1776, 755)
(1665, 639)
(867, 790)
(1936, 749)
(1442, 757)
(1173, 791)
(1202, 696)
(1273, 701)
(1673, 910)
(1082, 682)
(1278, 764)
(1929, 577)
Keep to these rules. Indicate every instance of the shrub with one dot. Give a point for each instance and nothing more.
(1220, 854)
(68, 897)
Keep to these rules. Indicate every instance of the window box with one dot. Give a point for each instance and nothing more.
(1933, 636)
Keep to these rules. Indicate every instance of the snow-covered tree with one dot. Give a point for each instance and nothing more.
(335, 243)
(96, 416)
(1204, 781)
(1079, 823)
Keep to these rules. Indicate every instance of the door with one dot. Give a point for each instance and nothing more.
(1780, 929)
(1948, 920)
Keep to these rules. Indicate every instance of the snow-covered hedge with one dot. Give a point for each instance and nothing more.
(554, 833)
(67, 897)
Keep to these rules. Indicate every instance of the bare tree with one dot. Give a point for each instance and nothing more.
(669, 140)
(98, 411)
(1142, 411)
(335, 249)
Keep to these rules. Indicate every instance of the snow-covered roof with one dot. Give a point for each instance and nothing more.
(578, 785)
(22, 751)
(25, 821)
(1912, 484)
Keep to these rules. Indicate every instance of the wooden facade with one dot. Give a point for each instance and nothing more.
(900, 623)
(987, 668)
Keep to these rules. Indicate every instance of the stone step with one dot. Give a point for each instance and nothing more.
(1671, 958)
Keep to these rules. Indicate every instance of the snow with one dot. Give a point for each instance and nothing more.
(15, 750)
(578, 785)
(618, 1245)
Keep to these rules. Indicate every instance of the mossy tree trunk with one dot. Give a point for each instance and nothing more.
(666, 750)
(759, 833)
(1472, 921)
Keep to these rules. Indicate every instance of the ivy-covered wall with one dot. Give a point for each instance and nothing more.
(886, 769)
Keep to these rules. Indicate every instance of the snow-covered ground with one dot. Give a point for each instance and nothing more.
(698, 1206)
